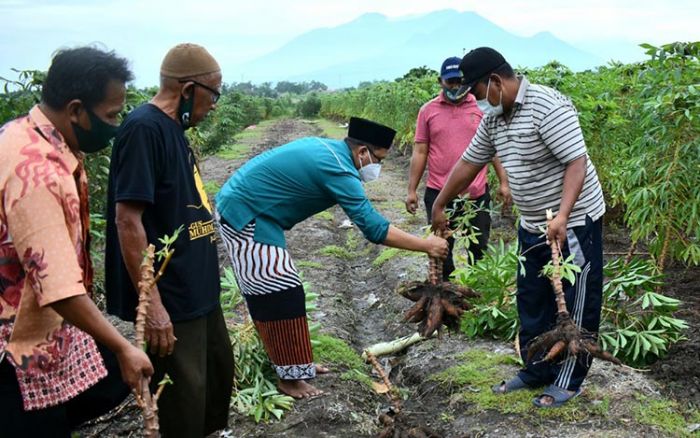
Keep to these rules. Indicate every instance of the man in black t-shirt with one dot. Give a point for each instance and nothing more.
(154, 188)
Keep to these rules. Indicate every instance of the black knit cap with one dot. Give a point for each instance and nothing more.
(376, 135)
(478, 63)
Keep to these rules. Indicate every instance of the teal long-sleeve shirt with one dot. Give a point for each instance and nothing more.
(285, 185)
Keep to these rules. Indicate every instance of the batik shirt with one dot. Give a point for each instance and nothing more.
(44, 258)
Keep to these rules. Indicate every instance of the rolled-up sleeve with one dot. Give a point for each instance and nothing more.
(37, 225)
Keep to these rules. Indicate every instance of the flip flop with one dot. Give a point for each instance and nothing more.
(559, 395)
(514, 384)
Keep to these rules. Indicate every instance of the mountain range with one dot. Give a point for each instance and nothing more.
(375, 47)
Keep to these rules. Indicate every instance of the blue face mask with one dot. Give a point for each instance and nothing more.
(486, 107)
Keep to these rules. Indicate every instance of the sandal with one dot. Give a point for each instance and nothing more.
(514, 384)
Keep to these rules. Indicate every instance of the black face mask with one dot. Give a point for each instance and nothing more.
(98, 137)
(185, 111)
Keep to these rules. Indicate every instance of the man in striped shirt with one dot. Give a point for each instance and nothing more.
(535, 132)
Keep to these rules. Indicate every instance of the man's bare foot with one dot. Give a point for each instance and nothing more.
(548, 400)
(298, 389)
(320, 369)
(555, 396)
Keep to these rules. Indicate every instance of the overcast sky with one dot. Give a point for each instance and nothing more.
(237, 31)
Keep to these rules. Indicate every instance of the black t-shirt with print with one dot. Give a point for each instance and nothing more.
(152, 163)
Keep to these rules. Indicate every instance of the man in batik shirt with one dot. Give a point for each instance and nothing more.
(59, 357)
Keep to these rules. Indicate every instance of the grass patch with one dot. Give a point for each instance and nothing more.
(211, 188)
(332, 129)
(352, 241)
(384, 256)
(664, 414)
(309, 264)
(234, 151)
(324, 215)
(337, 252)
(394, 205)
(389, 253)
(336, 353)
(244, 140)
(481, 369)
(358, 376)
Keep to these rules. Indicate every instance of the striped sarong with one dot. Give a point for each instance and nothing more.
(274, 294)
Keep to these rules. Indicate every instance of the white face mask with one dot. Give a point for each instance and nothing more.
(486, 107)
(371, 171)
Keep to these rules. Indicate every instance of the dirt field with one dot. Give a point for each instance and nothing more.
(444, 382)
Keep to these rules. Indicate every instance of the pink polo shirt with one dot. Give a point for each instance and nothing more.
(448, 129)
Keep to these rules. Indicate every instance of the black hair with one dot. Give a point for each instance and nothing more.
(82, 73)
(353, 142)
(504, 70)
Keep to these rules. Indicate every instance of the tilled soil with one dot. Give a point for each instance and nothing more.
(357, 303)
(679, 372)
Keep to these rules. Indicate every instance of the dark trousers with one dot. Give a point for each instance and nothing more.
(536, 303)
(58, 421)
(482, 222)
(201, 368)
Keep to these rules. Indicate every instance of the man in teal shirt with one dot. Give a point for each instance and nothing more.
(280, 188)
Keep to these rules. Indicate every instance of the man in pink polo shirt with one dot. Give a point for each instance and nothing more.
(445, 127)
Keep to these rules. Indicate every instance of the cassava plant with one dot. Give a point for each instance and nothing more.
(566, 336)
(437, 302)
(638, 325)
(494, 313)
(663, 171)
(460, 216)
(637, 322)
(440, 302)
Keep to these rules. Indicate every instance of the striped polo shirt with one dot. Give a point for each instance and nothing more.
(541, 136)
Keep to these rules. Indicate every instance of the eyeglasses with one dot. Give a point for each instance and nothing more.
(215, 94)
(379, 160)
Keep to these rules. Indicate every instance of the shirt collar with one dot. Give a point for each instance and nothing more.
(54, 137)
(524, 84)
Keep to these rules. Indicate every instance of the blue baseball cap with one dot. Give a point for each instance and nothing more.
(450, 68)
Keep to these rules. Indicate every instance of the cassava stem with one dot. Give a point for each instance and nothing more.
(145, 286)
(396, 400)
(144, 399)
(556, 274)
(391, 347)
(566, 337)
